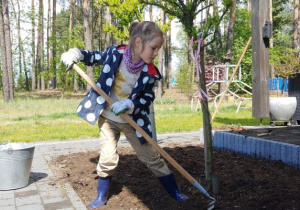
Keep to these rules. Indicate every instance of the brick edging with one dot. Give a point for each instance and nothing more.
(258, 148)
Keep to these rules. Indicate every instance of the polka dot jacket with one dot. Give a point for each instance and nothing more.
(142, 94)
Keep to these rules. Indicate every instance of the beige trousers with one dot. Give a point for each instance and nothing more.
(109, 158)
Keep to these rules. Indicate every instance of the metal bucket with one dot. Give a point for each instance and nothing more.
(15, 165)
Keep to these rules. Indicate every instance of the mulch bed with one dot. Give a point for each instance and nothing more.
(244, 182)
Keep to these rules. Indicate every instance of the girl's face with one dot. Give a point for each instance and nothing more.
(150, 50)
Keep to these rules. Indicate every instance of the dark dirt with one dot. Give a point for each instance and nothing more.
(285, 134)
(244, 183)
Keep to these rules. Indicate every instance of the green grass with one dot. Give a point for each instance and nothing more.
(30, 119)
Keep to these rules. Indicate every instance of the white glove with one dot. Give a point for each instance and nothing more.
(71, 56)
(122, 106)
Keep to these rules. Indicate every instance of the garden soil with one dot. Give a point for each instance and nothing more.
(244, 182)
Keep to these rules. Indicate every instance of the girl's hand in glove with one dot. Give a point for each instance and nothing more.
(122, 106)
(71, 56)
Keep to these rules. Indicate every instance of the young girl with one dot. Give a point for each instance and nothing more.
(128, 77)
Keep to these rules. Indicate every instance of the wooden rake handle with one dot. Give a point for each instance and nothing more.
(144, 134)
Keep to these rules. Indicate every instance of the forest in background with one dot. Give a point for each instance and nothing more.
(33, 38)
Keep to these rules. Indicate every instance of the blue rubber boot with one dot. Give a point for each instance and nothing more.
(102, 190)
(169, 183)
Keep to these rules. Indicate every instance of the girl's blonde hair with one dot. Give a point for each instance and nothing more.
(146, 30)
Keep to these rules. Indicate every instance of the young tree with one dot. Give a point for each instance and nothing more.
(6, 52)
(186, 12)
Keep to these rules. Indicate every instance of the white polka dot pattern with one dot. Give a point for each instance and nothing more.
(150, 128)
(137, 111)
(91, 117)
(140, 122)
(97, 57)
(106, 58)
(93, 105)
(151, 81)
(145, 80)
(109, 82)
(143, 101)
(92, 59)
(138, 134)
(106, 69)
(79, 108)
(145, 69)
(149, 95)
(87, 104)
(100, 100)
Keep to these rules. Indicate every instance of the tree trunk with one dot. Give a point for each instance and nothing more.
(100, 22)
(6, 52)
(71, 27)
(229, 42)
(21, 52)
(17, 18)
(87, 35)
(107, 35)
(228, 50)
(218, 30)
(168, 58)
(48, 51)
(54, 82)
(207, 129)
(40, 48)
(295, 25)
(92, 23)
(160, 60)
(33, 61)
(272, 70)
(22, 49)
(151, 12)
(72, 20)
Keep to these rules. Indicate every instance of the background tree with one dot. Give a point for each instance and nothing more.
(295, 25)
(161, 52)
(53, 49)
(33, 69)
(40, 49)
(21, 51)
(87, 34)
(123, 13)
(6, 52)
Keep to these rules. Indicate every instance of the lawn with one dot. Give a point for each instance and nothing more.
(32, 117)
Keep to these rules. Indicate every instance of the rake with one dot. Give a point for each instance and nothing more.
(147, 137)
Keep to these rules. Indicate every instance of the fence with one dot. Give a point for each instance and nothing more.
(274, 83)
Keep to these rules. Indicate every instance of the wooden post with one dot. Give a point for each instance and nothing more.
(260, 59)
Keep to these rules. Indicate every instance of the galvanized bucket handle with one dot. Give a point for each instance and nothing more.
(8, 150)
